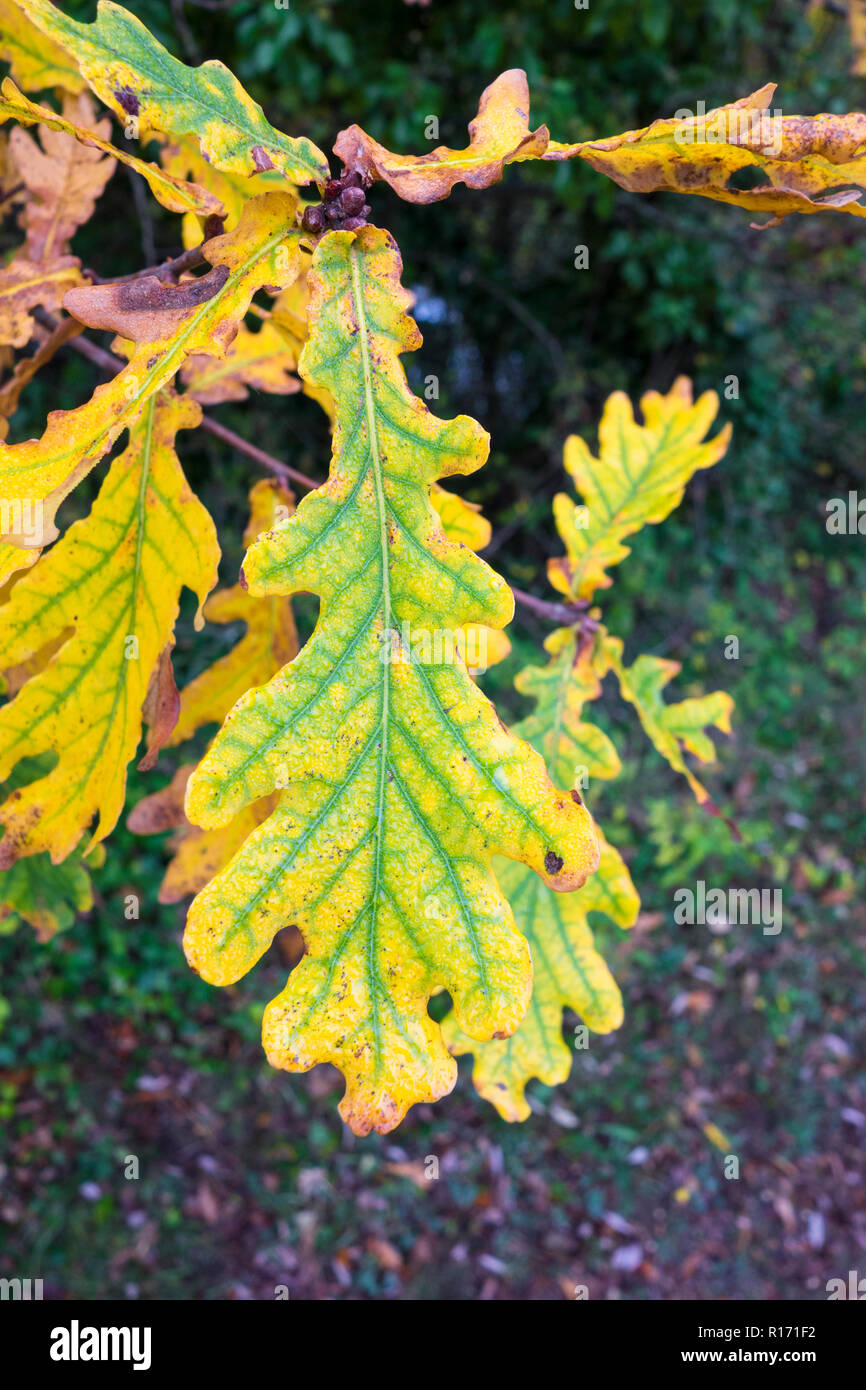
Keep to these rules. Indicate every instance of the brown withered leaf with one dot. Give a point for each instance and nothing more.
(160, 709)
(63, 178)
(499, 134)
(144, 310)
(24, 284)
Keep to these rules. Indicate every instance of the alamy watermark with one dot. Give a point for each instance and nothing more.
(732, 907)
(756, 130)
(439, 646)
(22, 517)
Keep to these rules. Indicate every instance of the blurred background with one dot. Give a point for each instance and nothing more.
(733, 1042)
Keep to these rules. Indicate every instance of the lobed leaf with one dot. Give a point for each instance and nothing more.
(197, 855)
(183, 159)
(270, 641)
(134, 75)
(262, 360)
(24, 284)
(568, 970)
(34, 890)
(105, 598)
(65, 177)
(638, 479)
(398, 783)
(498, 135)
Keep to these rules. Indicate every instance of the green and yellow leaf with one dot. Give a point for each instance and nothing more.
(568, 970)
(398, 782)
(136, 77)
(568, 973)
(108, 592)
(168, 325)
(34, 890)
(638, 478)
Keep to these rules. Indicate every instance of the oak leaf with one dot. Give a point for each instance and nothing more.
(809, 162)
(64, 177)
(134, 75)
(269, 643)
(46, 173)
(638, 478)
(262, 360)
(397, 780)
(110, 589)
(498, 135)
(568, 970)
(672, 728)
(36, 61)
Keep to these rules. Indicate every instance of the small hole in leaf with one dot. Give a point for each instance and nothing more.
(749, 177)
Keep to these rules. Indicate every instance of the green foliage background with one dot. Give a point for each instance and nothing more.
(110, 1046)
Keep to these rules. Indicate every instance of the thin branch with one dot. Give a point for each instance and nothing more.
(168, 270)
(565, 614)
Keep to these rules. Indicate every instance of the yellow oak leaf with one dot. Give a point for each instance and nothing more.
(196, 855)
(271, 639)
(398, 782)
(183, 159)
(110, 587)
(638, 478)
(135, 76)
(169, 324)
(498, 135)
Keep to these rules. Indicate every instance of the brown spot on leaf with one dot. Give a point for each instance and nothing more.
(128, 100)
(552, 862)
(576, 798)
(144, 310)
(262, 159)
